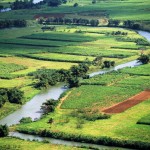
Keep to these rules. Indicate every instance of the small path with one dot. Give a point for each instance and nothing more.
(62, 99)
(121, 107)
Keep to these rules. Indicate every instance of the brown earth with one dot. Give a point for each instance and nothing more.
(121, 107)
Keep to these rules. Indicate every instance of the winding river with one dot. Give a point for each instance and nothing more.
(32, 108)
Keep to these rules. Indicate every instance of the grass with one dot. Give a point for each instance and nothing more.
(105, 79)
(144, 120)
(33, 64)
(140, 70)
(98, 96)
(121, 126)
(15, 143)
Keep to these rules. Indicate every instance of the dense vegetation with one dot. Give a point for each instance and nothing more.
(3, 130)
(12, 23)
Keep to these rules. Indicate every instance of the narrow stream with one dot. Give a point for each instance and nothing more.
(32, 108)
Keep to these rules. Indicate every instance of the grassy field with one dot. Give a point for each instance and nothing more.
(141, 70)
(144, 120)
(105, 79)
(96, 96)
(123, 10)
(16, 144)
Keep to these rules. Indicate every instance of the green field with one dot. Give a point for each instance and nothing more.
(26, 53)
(144, 120)
(97, 96)
(105, 79)
(16, 144)
(141, 70)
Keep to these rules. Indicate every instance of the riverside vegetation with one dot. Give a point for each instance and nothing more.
(50, 45)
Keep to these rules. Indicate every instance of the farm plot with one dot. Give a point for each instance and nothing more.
(61, 57)
(105, 79)
(139, 70)
(121, 107)
(144, 120)
(35, 42)
(58, 36)
(97, 96)
(33, 64)
(135, 82)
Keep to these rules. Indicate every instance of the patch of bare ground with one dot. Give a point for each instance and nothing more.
(121, 107)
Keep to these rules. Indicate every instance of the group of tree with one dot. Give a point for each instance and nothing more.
(49, 106)
(3, 130)
(108, 64)
(12, 23)
(119, 33)
(55, 3)
(71, 76)
(68, 21)
(144, 59)
(28, 4)
(13, 95)
(126, 24)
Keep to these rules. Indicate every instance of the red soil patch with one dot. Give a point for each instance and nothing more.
(121, 107)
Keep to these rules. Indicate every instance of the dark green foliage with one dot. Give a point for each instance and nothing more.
(1, 7)
(3, 97)
(144, 59)
(54, 3)
(3, 130)
(108, 64)
(12, 23)
(50, 120)
(26, 120)
(49, 106)
(113, 23)
(73, 82)
(15, 95)
(75, 5)
(76, 21)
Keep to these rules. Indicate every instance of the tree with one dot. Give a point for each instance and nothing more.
(144, 59)
(54, 3)
(75, 5)
(73, 82)
(49, 106)
(1, 7)
(3, 130)
(15, 95)
(3, 97)
(26, 120)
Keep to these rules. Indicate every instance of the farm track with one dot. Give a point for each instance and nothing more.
(121, 107)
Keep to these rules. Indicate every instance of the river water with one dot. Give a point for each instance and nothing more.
(32, 108)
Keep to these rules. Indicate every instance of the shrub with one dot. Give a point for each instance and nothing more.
(26, 120)
(3, 130)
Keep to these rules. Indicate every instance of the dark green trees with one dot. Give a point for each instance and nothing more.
(54, 3)
(15, 95)
(3, 130)
(144, 59)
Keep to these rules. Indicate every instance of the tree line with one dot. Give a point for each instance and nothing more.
(127, 24)
(12, 95)
(28, 4)
(12, 23)
(69, 21)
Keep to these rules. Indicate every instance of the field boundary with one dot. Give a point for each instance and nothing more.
(132, 101)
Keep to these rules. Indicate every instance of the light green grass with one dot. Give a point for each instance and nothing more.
(18, 144)
(140, 70)
(145, 120)
(99, 96)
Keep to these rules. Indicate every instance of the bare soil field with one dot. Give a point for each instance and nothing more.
(121, 107)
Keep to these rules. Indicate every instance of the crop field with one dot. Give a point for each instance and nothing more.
(135, 82)
(96, 96)
(141, 70)
(68, 37)
(62, 57)
(105, 79)
(123, 10)
(144, 120)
